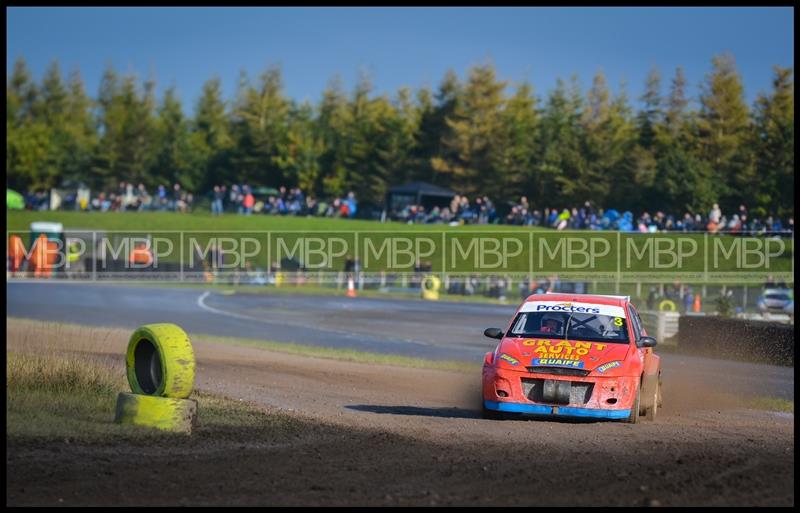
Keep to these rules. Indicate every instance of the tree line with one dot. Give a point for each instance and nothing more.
(469, 135)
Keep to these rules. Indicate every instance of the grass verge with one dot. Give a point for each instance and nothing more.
(772, 404)
(71, 399)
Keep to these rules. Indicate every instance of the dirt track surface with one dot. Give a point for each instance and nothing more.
(382, 435)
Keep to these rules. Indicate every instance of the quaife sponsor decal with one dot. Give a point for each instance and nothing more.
(609, 365)
(558, 362)
(567, 307)
(509, 359)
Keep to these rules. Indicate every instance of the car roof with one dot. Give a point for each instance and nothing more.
(580, 298)
(777, 290)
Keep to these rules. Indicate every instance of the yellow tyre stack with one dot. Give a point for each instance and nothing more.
(160, 364)
(430, 287)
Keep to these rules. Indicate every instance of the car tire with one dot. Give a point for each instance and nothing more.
(660, 398)
(649, 404)
(633, 418)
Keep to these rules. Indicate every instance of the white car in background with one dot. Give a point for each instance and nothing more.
(776, 301)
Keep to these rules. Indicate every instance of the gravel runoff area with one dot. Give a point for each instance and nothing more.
(368, 434)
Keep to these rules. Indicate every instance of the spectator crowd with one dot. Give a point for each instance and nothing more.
(242, 199)
(587, 217)
(245, 200)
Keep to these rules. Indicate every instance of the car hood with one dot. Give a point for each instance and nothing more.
(571, 354)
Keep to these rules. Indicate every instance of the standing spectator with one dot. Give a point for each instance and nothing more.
(651, 298)
(454, 205)
(716, 214)
(742, 213)
(121, 191)
(176, 196)
(180, 203)
(714, 219)
(248, 201)
(216, 202)
(129, 200)
(352, 205)
(145, 200)
(688, 299)
(162, 197)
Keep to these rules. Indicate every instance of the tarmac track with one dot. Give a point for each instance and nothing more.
(433, 330)
(413, 436)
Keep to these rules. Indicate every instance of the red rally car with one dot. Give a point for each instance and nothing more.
(574, 355)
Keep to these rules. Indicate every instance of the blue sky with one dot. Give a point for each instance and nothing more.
(398, 47)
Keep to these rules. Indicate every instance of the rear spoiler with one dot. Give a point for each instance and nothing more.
(626, 298)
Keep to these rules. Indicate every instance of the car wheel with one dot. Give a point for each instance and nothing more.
(633, 418)
(660, 399)
(650, 390)
(650, 411)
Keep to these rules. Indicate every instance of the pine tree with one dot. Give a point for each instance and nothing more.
(135, 142)
(475, 131)
(356, 171)
(682, 179)
(80, 133)
(210, 140)
(27, 136)
(299, 159)
(625, 168)
(175, 162)
(562, 163)
(332, 122)
(722, 129)
(520, 138)
(773, 142)
(22, 95)
(260, 129)
(435, 129)
(651, 115)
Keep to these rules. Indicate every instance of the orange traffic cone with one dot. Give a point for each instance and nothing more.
(697, 303)
(351, 287)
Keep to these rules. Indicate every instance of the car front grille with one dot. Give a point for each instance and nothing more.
(580, 392)
(559, 371)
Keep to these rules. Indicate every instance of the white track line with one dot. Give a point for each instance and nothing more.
(201, 303)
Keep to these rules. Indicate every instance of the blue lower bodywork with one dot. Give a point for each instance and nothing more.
(567, 411)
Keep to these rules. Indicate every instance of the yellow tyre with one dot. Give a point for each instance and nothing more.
(430, 287)
(160, 361)
(158, 412)
(667, 305)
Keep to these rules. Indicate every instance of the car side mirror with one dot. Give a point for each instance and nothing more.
(647, 342)
(493, 333)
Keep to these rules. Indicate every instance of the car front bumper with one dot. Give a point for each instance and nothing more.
(601, 397)
(563, 411)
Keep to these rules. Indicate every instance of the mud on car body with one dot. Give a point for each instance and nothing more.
(574, 355)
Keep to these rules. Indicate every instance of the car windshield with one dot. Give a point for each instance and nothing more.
(574, 326)
(778, 297)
